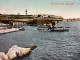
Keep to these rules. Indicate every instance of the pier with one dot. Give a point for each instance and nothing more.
(68, 20)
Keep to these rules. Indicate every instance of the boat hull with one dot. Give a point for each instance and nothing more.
(64, 30)
(55, 30)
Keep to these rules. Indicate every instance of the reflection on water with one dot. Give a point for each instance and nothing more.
(50, 45)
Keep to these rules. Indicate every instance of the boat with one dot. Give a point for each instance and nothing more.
(60, 29)
(44, 28)
(52, 29)
(22, 29)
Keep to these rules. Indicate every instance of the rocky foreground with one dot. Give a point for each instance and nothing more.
(15, 52)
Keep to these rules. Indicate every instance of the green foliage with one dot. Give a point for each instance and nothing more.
(11, 23)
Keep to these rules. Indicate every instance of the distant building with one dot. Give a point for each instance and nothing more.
(45, 15)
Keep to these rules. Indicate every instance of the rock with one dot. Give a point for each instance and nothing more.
(3, 56)
(0, 58)
(15, 52)
(24, 51)
(32, 47)
(12, 52)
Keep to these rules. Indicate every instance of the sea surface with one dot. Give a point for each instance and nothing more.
(50, 45)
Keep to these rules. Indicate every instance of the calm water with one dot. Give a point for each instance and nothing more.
(50, 45)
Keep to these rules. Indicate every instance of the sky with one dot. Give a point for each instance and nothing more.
(53, 7)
